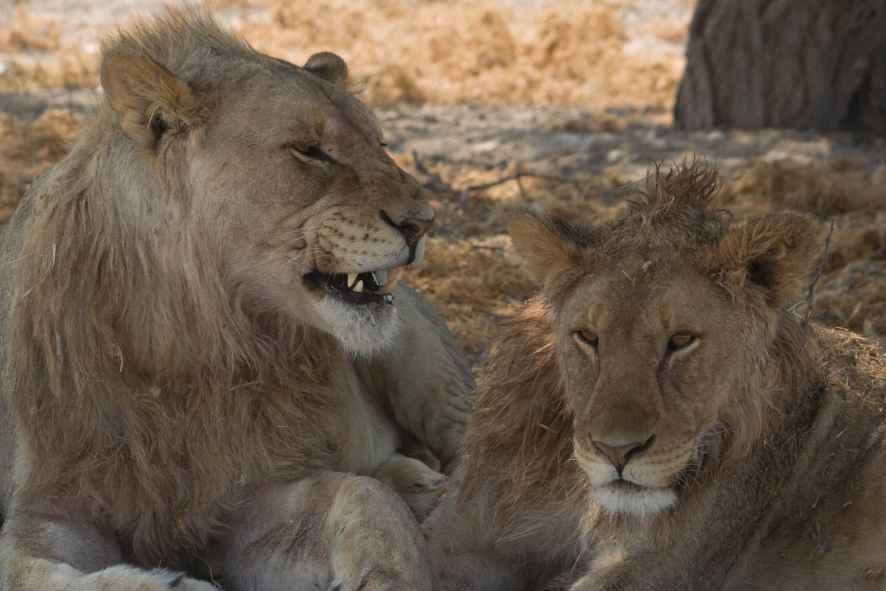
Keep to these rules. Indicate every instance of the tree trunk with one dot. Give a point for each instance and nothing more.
(806, 64)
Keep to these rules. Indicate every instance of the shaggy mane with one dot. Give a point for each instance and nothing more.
(179, 37)
(673, 211)
(520, 442)
(114, 339)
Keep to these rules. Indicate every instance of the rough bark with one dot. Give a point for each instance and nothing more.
(806, 64)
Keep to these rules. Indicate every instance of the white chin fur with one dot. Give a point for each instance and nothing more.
(638, 502)
(360, 330)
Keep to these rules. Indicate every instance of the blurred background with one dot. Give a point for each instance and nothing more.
(497, 104)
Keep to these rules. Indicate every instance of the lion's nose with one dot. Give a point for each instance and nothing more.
(620, 455)
(412, 227)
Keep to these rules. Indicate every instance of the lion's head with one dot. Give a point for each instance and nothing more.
(305, 211)
(662, 324)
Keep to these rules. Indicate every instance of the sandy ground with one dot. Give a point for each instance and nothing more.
(572, 97)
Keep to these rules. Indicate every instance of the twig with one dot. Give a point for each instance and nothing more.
(517, 176)
(810, 295)
(434, 180)
(520, 186)
(419, 165)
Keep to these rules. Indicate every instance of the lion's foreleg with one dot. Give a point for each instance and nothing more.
(43, 554)
(462, 548)
(425, 379)
(645, 571)
(332, 531)
(416, 483)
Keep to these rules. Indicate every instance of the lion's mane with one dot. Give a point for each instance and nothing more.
(106, 321)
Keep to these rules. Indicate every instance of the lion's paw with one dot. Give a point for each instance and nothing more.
(416, 483)
(128, 578)
(183, 583)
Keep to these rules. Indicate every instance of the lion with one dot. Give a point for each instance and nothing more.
(417, 483)
(659, 417)
(207, 351)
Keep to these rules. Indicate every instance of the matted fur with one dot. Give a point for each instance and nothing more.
(773, 486)
(154, 384)
(521, 443)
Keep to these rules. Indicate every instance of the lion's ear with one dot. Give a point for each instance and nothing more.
(545, 251)
(147, 97)
(775, 253)
(328, 66)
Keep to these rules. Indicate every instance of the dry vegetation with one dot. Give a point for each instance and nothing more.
(473, 274)
(574, 51)
(589, 54)
(27, 148)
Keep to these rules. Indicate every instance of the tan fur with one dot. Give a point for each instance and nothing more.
(416, 483)
(170, 366)
(765, 470)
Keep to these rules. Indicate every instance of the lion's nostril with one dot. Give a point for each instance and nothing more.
(412, 229)
(620, 455)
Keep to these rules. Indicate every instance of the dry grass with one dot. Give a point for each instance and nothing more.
(571, 52)
(463, 51)
(852, 290)
(27, 149)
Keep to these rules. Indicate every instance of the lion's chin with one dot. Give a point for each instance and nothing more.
(621, 498)
(362, 330)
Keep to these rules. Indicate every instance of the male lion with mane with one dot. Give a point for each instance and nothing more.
(206, 351)
(658, 419)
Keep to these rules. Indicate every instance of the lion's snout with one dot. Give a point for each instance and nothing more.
(412, 225)
(620, 455)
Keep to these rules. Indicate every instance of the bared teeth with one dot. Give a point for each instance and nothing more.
(352, 279)
(380, 277)
(358, 287)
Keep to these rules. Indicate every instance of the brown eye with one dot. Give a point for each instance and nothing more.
(680, 340)
(586, 338)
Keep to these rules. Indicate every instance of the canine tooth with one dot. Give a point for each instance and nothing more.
(419, 251)
(352, 278)
(380, 277)
(358, 287)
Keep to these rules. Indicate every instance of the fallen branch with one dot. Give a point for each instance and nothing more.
(434, 180)
(519, 175)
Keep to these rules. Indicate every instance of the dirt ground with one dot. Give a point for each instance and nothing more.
(494, 106)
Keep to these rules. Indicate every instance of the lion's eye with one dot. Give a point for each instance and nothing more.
(586, 338)
(680, 340)
(311, 152)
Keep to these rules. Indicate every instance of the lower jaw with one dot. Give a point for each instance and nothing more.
(634, 500)
(364, 329)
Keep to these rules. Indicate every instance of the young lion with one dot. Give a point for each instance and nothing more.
(657, 418)
(206, 351)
